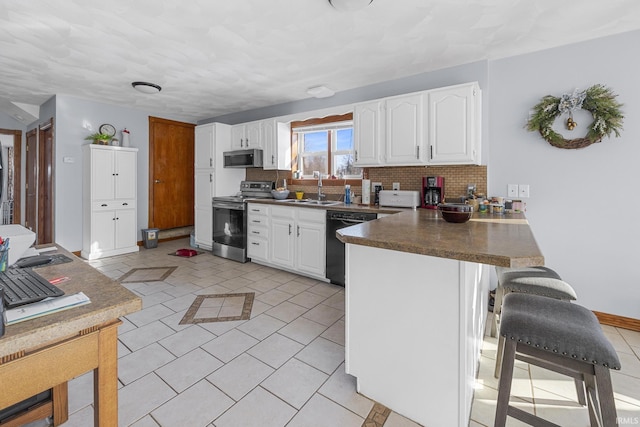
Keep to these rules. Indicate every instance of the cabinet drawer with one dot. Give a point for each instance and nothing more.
(257, 209)
(113, 204)
(258, 231)
(257, 247)
(287, 212)
(257, 221)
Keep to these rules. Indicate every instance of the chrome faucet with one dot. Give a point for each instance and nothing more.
(321, 195)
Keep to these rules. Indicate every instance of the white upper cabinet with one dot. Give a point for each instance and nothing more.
(405, 130)
(454, 125)
(276, 143)
(246, 135)
(368, 130)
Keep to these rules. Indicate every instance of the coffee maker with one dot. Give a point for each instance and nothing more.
(432, 191)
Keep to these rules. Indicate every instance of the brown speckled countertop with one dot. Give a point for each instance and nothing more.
(109, 301)
(501, 240)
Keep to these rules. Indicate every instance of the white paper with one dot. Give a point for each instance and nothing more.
(46, 306)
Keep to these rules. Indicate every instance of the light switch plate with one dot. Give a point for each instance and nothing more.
(395, 186)
(512, 190)
(523, 190)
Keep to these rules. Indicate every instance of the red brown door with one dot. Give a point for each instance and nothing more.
(31, 182)
(45, 184)
(171, 168)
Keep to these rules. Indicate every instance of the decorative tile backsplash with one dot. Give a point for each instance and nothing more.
(456, 179)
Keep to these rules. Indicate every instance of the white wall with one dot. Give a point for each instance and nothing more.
(584, 203)
(72, 115)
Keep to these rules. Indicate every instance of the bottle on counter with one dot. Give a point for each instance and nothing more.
(347, 194)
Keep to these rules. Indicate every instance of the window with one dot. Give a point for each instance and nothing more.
(326, 148)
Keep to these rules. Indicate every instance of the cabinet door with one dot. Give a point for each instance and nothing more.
(269, 144)
(126, 230)
(252, 135)
(204, 147)
(102, 174)
(405, 134)
(452, 125)
(203, 188)
(311, 243)
(281, 242)
(103, 225)
(203, 230)
(237, 137)
(126, 174)
(368, 133)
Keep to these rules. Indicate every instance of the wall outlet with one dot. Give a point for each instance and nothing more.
(395, 186)
(512, 190)
(376, 184)
(523, 190)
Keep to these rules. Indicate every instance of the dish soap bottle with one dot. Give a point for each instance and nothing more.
(347, 194)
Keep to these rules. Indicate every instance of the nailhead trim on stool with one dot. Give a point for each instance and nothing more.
(563, 337)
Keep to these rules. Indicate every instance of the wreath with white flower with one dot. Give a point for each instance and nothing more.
(598, 100)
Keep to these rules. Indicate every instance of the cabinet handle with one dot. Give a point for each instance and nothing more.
(418, 152)
(298, 231)
(210, 162)
(246, 141)
(273, 159)
(255, 243)
(431, 152)
(124, 204)
(210, 177)
(256, 232)
(257, 221)
(289, 229)
(104, 205)
(255, 210)
(356, 155)
(241, 142)
(113, 219)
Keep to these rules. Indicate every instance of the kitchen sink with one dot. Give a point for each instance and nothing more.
(311, 202)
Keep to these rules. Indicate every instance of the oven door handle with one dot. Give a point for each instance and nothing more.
(232, 206)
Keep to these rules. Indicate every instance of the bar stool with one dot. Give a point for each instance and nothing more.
(531, 280)
(561, 337)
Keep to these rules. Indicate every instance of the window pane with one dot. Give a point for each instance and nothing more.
(315, 141)
(345, 139)
(343, 166)
(314, 163)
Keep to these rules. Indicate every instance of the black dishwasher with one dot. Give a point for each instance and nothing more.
(335, 248)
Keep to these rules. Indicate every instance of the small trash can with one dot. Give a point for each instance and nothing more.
(150, 237)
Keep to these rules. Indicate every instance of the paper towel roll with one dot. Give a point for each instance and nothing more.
(366, 191)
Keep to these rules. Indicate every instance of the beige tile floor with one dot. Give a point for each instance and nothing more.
(284, 366)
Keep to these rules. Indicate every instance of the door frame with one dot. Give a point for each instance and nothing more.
(153, 120)
(17, 172)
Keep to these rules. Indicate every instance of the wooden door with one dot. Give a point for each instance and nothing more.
(45, 184)
(171, 169)
(31, 182)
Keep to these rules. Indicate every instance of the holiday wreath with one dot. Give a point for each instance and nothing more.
(598, 100)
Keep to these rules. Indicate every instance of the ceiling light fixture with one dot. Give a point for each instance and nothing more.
(320, 92)
(146, 87)
(350, 5)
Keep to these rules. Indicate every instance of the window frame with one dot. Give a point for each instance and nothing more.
(297, 158)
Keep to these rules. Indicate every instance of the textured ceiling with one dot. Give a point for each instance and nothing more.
(214, 57)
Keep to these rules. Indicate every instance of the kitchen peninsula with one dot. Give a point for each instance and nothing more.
(416, 297)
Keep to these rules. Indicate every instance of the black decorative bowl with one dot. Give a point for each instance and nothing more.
(455, 212)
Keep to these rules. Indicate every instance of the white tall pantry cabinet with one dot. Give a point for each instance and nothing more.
(211, 177)
(110, 201)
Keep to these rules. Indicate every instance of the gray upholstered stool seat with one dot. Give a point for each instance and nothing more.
(531, 280)
(563, 337)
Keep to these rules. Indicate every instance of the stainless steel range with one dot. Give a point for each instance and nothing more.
(230, 219)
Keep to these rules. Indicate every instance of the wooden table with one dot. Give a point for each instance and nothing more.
(46, 352)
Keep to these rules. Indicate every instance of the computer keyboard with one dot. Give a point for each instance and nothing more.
(24, 286)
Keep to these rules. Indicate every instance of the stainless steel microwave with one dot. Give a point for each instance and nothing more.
(251, 158)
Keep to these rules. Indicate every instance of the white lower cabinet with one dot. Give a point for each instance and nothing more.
(258, 232)
(113, 229)
(292, 238)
